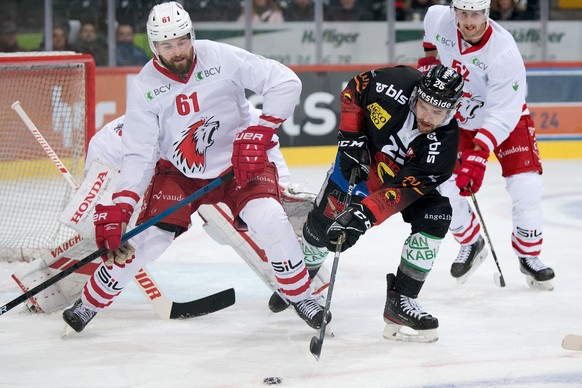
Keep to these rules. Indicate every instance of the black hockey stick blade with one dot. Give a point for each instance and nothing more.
(203, 306)
(315, 347)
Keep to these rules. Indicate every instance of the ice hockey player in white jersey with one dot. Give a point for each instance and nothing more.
(187, 107)
(493, 117)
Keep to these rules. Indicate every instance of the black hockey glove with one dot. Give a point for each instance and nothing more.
(353, 221)
(354, 153)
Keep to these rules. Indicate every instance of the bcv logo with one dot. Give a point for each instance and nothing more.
(150, 95)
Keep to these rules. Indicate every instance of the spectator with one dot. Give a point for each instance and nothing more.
(8, 42)
(128, 54)
(418, 8)
(213, 10)
(60, 39)
(89, 42)
(378, 9)
(507, 10)
(347, 10)
(265, 11)
(300, 11)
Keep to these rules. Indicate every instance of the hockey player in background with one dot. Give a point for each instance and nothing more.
(493, 117)
(187, 106)
(397, 130)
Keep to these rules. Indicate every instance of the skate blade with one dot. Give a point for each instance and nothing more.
(478, 261)
(402, 333)
(547, 285)
(67, 330)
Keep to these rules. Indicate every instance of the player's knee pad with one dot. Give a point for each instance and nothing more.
(315, 230)
(267, 220)
(525, 190)
(431, 215)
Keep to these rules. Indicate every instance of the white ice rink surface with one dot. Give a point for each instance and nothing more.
(489, 336)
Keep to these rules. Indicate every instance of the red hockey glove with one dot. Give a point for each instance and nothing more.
(110, 223)
(250, 152)
(470, 177)
(353, 221)
(425, 64)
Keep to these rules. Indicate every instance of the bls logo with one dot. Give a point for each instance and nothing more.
(284, 266)
(107, 280)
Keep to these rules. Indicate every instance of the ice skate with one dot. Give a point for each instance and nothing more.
(405, 319)
(278, 303)
(311, 312)
(537, 274)
(468, 260)
(78, 316)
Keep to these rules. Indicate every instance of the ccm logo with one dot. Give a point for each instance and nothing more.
(351, 144)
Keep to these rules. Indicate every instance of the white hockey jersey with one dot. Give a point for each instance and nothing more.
(192, 122)
(494, 73)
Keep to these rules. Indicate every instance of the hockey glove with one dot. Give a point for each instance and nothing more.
(353, 221)
(250, 152)
(354, 153)
(120, 256)
(426, 63)
(470, 177)
(110, 223)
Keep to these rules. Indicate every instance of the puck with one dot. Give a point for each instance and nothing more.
(272, 380)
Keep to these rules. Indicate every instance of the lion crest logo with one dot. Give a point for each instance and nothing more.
(468, 105)
(190, 151)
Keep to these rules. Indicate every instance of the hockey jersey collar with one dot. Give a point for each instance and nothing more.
(466, 48)
(162, 69)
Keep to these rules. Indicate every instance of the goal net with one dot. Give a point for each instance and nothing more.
(57, 91)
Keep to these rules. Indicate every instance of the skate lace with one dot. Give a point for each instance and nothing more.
(535, 263)
(84, 313)
(464, 254)
(412, 307)
(309, 307)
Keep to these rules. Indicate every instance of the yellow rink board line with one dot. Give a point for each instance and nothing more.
(295, 156)
(317, 156)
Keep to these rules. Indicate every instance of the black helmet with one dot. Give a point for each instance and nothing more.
(441, 87)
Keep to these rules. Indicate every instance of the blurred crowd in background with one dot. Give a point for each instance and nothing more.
(81, 25)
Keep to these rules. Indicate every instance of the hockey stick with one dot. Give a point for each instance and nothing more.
(132, 233)
(572, 342)
(317, 342)
(497, 277)
(162, 305)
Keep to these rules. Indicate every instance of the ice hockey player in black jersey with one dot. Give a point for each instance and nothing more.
(396, 131)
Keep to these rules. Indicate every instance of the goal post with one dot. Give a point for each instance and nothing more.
(57, 91)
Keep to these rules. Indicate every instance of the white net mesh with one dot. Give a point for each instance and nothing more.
(53, 92)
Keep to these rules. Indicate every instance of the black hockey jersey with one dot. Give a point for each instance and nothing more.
(407, 163)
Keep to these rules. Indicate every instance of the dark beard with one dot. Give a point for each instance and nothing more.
(180, 71)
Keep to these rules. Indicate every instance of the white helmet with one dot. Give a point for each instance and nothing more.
(168, 21)
(472, 5)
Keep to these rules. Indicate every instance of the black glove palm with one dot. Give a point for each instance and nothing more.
(354, 153)
(353, 221)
